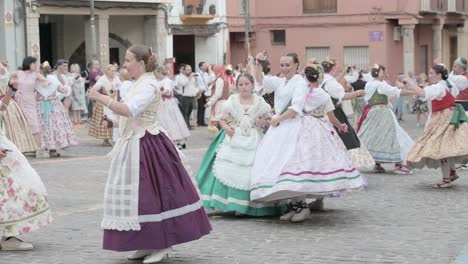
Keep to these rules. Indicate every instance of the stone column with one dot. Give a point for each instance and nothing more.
(32, 34)
(408, 48)
(462, 36)
(102, 38)
(157, 35)
(437, 41)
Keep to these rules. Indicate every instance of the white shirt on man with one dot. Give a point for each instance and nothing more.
(186, 86)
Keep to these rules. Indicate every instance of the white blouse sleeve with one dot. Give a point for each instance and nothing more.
(142, 98)
(388, 90)
(329, 107)
(335, 89)
(433, 92)
(271, 83)
(299, 96)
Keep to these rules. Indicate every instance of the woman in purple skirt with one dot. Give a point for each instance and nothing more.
(150, 203)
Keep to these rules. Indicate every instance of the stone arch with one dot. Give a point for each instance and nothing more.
(115, 41)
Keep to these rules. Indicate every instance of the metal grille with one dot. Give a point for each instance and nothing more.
(320, 53)
(358, 56)
(319, 6)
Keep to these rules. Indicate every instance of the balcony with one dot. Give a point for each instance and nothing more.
(197, 12)
(444, 6)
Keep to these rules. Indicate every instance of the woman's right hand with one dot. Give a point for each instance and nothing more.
(230, 132)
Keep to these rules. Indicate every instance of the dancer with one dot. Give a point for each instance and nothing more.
(78, 94)
(444, 142)
(16, 126)
(160, 207)
(169, 115)
(186, 87)
(420, 103)
(66, 80)
(459, 77)
(23, 198)
(301, 157)
(26, 97)
(338, 94)
(57, 130)
(225, 173)
(378, 128)
(219, 94)
(360, 103)
(108, 85)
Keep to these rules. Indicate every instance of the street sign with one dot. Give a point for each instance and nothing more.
(376, 36)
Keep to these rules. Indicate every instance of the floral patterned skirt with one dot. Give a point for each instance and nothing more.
(57, 129)
(23, 197)
(440, 141)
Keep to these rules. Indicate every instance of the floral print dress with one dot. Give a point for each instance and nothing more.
(23, 198)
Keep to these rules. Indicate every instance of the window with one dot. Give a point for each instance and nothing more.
(278, 37)
(319, 53)
(358, 56)
(319, 6)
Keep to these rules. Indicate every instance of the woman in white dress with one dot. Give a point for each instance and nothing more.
(169, 114)
(298, 154)
(24, 207)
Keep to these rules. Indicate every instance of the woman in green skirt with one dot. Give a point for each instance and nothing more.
(225, 173)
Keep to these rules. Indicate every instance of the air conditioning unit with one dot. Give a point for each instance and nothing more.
(397, 33)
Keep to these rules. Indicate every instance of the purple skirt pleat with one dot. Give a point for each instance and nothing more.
(164, 185)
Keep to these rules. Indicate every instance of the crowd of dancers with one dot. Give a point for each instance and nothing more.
(279, 157)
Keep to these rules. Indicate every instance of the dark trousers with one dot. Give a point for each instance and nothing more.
(186, 107)
(201, 110)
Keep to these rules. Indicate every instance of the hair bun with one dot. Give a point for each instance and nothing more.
(152, 63)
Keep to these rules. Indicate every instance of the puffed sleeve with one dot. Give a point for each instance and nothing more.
(433, 92)
(388, 90)
(143, 97)
(335, 89)
(299, 95)
(271, 83)
(329, 107)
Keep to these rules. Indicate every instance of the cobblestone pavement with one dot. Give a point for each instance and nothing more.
(399, 219)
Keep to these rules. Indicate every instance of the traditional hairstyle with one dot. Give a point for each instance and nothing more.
(245, 75)
(328, 65)
(295, 58)
(442, 70)
(27, 63)
(376, 70)
(313, 72)
(144, 54)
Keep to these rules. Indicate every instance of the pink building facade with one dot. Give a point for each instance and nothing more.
(402, 35)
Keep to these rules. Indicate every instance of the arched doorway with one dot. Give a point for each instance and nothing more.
(117, 48)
